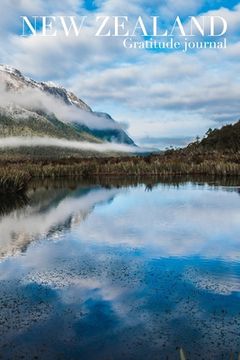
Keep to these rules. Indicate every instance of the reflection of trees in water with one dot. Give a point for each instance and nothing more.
(11, 202)
(134, 181)
(45, 193)
(230, 183)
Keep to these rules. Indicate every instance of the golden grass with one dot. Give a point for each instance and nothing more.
(13, 180)
(172, 163)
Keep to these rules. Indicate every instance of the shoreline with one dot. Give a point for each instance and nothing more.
(15, 174)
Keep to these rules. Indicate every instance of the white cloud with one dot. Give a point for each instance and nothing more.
(15, 142)
(193, 92)
(172, 234)
(231, 16)
(31, 98)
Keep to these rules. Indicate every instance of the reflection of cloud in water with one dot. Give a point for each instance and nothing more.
(170, 222)
(113, 280)
(48, 217)
(100, 291)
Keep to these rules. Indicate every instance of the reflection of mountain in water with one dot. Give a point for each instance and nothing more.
(51, 208)
(46, 212)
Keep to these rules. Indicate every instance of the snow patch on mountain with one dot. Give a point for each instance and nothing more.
(49, 98)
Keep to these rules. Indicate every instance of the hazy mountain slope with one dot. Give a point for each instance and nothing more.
(39, 108)
(112, 135)
(21, 122)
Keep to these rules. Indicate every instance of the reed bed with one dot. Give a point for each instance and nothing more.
(136, 166)
(172, 163)
(13, 180)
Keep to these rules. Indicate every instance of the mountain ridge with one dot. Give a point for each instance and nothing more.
(59, 112)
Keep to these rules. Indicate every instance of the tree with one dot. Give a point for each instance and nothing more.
(209, 131)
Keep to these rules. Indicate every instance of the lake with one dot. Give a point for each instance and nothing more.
(110, 272)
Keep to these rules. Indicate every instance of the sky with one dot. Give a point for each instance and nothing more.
(165, 97)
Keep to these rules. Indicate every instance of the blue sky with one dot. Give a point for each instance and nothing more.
(164, 98)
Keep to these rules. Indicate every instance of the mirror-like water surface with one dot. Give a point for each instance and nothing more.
(98, 273)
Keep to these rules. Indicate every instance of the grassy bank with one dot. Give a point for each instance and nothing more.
(171, 163)
(13, 180)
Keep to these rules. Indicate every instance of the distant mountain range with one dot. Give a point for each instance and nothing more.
(39, 109)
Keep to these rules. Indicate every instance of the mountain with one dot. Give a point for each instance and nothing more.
(225, 139)
(31, 108)
(17, 121)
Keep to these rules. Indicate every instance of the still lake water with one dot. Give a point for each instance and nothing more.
(90, 272)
